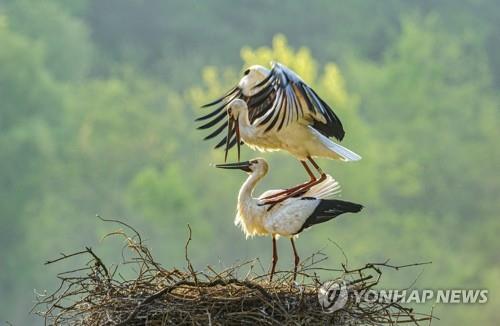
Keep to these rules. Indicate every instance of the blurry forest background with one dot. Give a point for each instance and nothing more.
(98, 98)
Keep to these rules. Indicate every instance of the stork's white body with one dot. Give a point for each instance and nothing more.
(299, 139)
(285, 218)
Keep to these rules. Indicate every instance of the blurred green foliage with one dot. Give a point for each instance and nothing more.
(98, 98)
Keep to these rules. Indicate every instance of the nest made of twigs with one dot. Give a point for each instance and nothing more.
(98, 295)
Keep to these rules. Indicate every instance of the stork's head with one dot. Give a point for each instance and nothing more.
(256, 166)
(251, 77)
(234, 109)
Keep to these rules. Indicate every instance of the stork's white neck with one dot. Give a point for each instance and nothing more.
(250, 214)
(246, 190)
(243, 119)
(247, 131)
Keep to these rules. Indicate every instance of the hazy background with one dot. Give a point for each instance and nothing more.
(98, 98)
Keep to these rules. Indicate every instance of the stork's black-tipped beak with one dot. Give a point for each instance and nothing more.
(230, 125)
(238, 138)
(245, 166)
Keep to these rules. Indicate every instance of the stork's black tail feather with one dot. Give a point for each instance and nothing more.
(328, 209)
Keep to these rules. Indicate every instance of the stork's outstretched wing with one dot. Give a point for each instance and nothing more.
(218, 115)
(293, 100)
(280, 99)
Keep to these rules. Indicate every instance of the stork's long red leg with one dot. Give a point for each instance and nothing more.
(304, 188)
(311, 175)
(309, 184)
(281, 196)
(296, 188)
(315, 165)
(296, 261)
(275, 259)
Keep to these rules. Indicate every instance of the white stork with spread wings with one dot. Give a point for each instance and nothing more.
(273, 110)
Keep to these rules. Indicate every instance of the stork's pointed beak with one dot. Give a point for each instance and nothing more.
(231, 122)
(238, 139)
(245, 166)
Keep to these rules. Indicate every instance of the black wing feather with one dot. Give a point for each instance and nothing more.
(333, 127)
(222, 98)
(211, 114)
(215, 121)
(328, 209)
(217, 131)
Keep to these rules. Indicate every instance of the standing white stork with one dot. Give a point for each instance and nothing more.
(272, 110)
(289, 217)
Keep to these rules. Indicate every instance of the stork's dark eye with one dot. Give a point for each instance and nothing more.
(246, 72)
(254, 162)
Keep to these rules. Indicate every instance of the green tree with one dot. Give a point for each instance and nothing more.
(63, 38)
